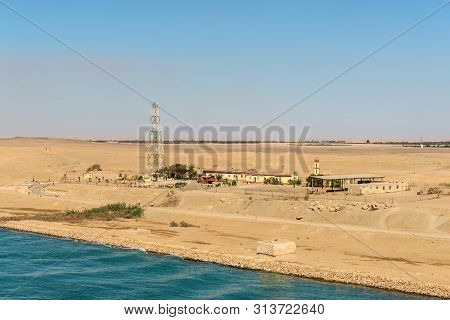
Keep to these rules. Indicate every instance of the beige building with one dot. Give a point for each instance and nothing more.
(88, 176)
(356, 184)
(250, 176)
(378, 187)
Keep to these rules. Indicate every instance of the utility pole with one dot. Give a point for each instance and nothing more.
(155, 148)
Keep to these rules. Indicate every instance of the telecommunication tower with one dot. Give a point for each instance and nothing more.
(155, 148)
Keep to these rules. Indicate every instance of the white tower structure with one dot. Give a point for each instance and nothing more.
(316, 171)
(155, 148)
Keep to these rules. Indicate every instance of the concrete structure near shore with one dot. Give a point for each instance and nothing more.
(276, 247)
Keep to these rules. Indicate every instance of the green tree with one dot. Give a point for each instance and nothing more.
(294, 182)
(273, 181)
(192, 173)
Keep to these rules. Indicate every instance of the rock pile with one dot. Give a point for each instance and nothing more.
(372, 206)
(318, 207)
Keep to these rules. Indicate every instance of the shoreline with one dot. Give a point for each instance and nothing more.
(258, 263)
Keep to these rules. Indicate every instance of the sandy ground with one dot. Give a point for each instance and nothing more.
(403, 247)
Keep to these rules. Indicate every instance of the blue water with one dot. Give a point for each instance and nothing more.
(40, 267)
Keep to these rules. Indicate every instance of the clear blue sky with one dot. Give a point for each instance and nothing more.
(224, 63)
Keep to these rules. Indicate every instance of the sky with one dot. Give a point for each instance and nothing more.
(225, 63)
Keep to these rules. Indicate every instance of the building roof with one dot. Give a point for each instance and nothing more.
(224, 171)
(232, 171)
(249, 172)
(348, 176)
(278, 175)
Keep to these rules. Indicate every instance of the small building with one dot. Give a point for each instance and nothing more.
(340, 181)
(378, 187)
(249, 176)
(206, 180)
(357, 184)
(88, 176)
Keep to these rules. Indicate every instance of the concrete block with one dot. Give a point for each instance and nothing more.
(276, 247)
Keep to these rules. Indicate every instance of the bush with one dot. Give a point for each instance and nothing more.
(294, 182)
(95, 167)
(184, 224)
(273, 181)
(180, 184)
(173, 224)
(107, 212)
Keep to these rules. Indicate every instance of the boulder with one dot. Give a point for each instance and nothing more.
(275, 247)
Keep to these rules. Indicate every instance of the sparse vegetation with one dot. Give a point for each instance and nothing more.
(434, 191)
(184, 224)
(180, 184)
(178, 171)
(228, 182)
(108, 212)
(95, 167)
(115, 210)
(273, 181)
(172, 200)
(294, 182)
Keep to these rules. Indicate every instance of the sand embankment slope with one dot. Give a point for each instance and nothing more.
(405, 247)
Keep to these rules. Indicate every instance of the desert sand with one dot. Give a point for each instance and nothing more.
(405, 245)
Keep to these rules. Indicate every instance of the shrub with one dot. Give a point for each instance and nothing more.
(184, 224)
(107, 212)
(180, 184)
(173, 224)
(273, 181)
(294, 182)
(95, 167)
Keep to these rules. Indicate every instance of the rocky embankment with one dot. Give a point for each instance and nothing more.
(253, 262)
(336, 207)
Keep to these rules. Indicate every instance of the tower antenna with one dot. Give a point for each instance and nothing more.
(155, 148)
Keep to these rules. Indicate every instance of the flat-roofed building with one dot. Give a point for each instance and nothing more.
(378, 187)
(357, 184)
(249, 176)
